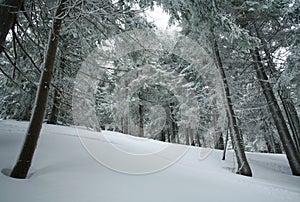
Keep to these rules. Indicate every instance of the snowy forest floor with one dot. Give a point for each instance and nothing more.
(63, 171)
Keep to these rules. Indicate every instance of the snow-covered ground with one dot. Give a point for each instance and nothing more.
(65, 171)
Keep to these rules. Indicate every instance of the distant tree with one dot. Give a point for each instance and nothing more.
(205, 21)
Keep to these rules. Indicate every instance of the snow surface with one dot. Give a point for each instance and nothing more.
(63, 171)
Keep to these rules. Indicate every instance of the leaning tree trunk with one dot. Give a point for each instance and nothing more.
(243, 165)
(288, 105)
(8, 14)
(24, 162)
(291, 115)
(292, 155)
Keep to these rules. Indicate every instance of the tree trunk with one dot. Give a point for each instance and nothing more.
(243, 165)
(174, 136)
(187, 136)
(292, 116)
(269, 143)
(55, 108)
(220, 142)
(225, 146)
(198, 143)
(53, 118)
(289, 107)
(8, 14)
(162, 136)
(24, 162)
(292, 155)
(141, 121)
(192, 136)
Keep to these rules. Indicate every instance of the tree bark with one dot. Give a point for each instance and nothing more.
(292, 155)
(24, 161)
(243, 165)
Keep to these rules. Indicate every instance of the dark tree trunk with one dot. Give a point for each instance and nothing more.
(55, 108)
(278, 149)
(268, 137)
(218, 136)
(162, 136)
(24, 162)
(141, 121)
(220, 142)
(292, 116)
(243, 165)
(292, 155)
(8, 14)
(291, 113)
(168, 135)
(197, 138)
(174, 136)
(269, 143)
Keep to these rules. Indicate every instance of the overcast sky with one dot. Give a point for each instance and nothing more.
(160, 18)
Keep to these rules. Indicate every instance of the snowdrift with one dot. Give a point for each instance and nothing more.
(64, 170)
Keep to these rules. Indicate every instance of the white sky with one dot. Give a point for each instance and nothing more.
(160, 19)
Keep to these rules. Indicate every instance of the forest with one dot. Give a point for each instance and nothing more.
(226, 78)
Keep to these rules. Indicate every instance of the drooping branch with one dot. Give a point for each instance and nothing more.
(8, 14)
(24, 161)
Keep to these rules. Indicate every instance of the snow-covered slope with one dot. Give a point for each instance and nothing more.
(64, 171)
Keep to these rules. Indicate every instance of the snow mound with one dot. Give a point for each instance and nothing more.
(64, 170)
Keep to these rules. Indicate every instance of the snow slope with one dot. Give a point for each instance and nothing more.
(64, 171)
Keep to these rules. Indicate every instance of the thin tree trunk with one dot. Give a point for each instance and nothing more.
(8, 14)
(192, 136)
(269, 143)
(168, 135)
(243, 165)
(162, 136)
(141, 121)
(187, 136)
(292, 155)
(55, 108)
(218, 136)
(220, 142)
(24, 162)
(225, 146)
(175, 138)
(292, 117)
(197, 139)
